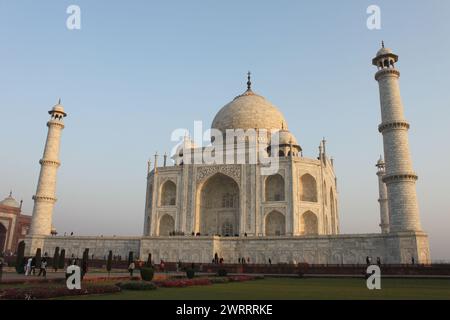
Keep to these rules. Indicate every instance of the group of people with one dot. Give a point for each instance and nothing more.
(33, 264)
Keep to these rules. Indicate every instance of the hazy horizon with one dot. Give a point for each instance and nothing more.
(137, 71)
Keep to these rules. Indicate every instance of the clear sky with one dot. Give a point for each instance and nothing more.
(137, 70)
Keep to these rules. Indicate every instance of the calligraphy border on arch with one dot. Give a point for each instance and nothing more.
(232, 171)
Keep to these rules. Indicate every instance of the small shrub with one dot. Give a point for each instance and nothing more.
(136, 285)
(222, 273)
(190, 273)
(147, 273)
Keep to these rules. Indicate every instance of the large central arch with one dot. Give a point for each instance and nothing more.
(219, 206)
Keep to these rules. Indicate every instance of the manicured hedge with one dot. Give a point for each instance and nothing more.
(147, 273)
(136, 285)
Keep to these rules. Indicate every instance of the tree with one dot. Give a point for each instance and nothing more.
(62, 259)
(85, 262)
(56, 259)
(20, 257)
(149, 260)
(38, 257)
(109, 263)
(130, 257)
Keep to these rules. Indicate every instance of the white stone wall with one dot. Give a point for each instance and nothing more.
(330, 249)
(98, 246)
(254, 208)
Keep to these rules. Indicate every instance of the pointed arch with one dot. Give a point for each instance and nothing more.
(168, 194)
(275, 224)
(309, 224)
(308, 188)
(274, 188)
(166, 225)
(218, 206)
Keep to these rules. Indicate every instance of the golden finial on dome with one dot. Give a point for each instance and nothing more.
(382, 43)
(249, 82)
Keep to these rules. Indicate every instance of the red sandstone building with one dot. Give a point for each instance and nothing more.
(14, 226)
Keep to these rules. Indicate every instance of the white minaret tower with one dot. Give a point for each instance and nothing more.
(382, 199)
(399, 177)
(45, 198)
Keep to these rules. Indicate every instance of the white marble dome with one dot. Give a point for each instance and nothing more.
(384, 51)
(10, 202)
(286, 138)
(249, 111)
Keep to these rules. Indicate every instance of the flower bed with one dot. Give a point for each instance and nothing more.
(53, 292)
(241, 278)
(87, 278)
(180, 283)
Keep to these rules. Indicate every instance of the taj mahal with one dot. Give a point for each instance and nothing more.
(195, 210)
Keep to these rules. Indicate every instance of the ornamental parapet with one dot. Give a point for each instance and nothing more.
(44, 198)
(400, 177)
(393, 125)
(55, 124)
(387, 72)
(50, 162)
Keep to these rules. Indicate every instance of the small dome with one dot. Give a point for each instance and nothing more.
(10, 202)
(384, 51)
(58, 108)
(380, 162)
(286, 138)
(185, 145)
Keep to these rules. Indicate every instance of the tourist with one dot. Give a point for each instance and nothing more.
(161, 265)
(131, 268)
(378, 261)
(270, 261)
(28, 267)
(413, 261)
(33, 266)
(43, 268)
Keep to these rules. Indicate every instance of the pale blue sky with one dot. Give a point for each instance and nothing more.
(137, 70)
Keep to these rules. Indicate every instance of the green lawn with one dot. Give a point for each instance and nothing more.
(292, 289)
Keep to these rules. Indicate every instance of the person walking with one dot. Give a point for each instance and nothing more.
(43, 268)
(131, 268)
(28, 267)
(33, 266)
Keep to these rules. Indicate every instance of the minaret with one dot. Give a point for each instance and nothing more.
(382, 200)
(45, 198)
(400, 178)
